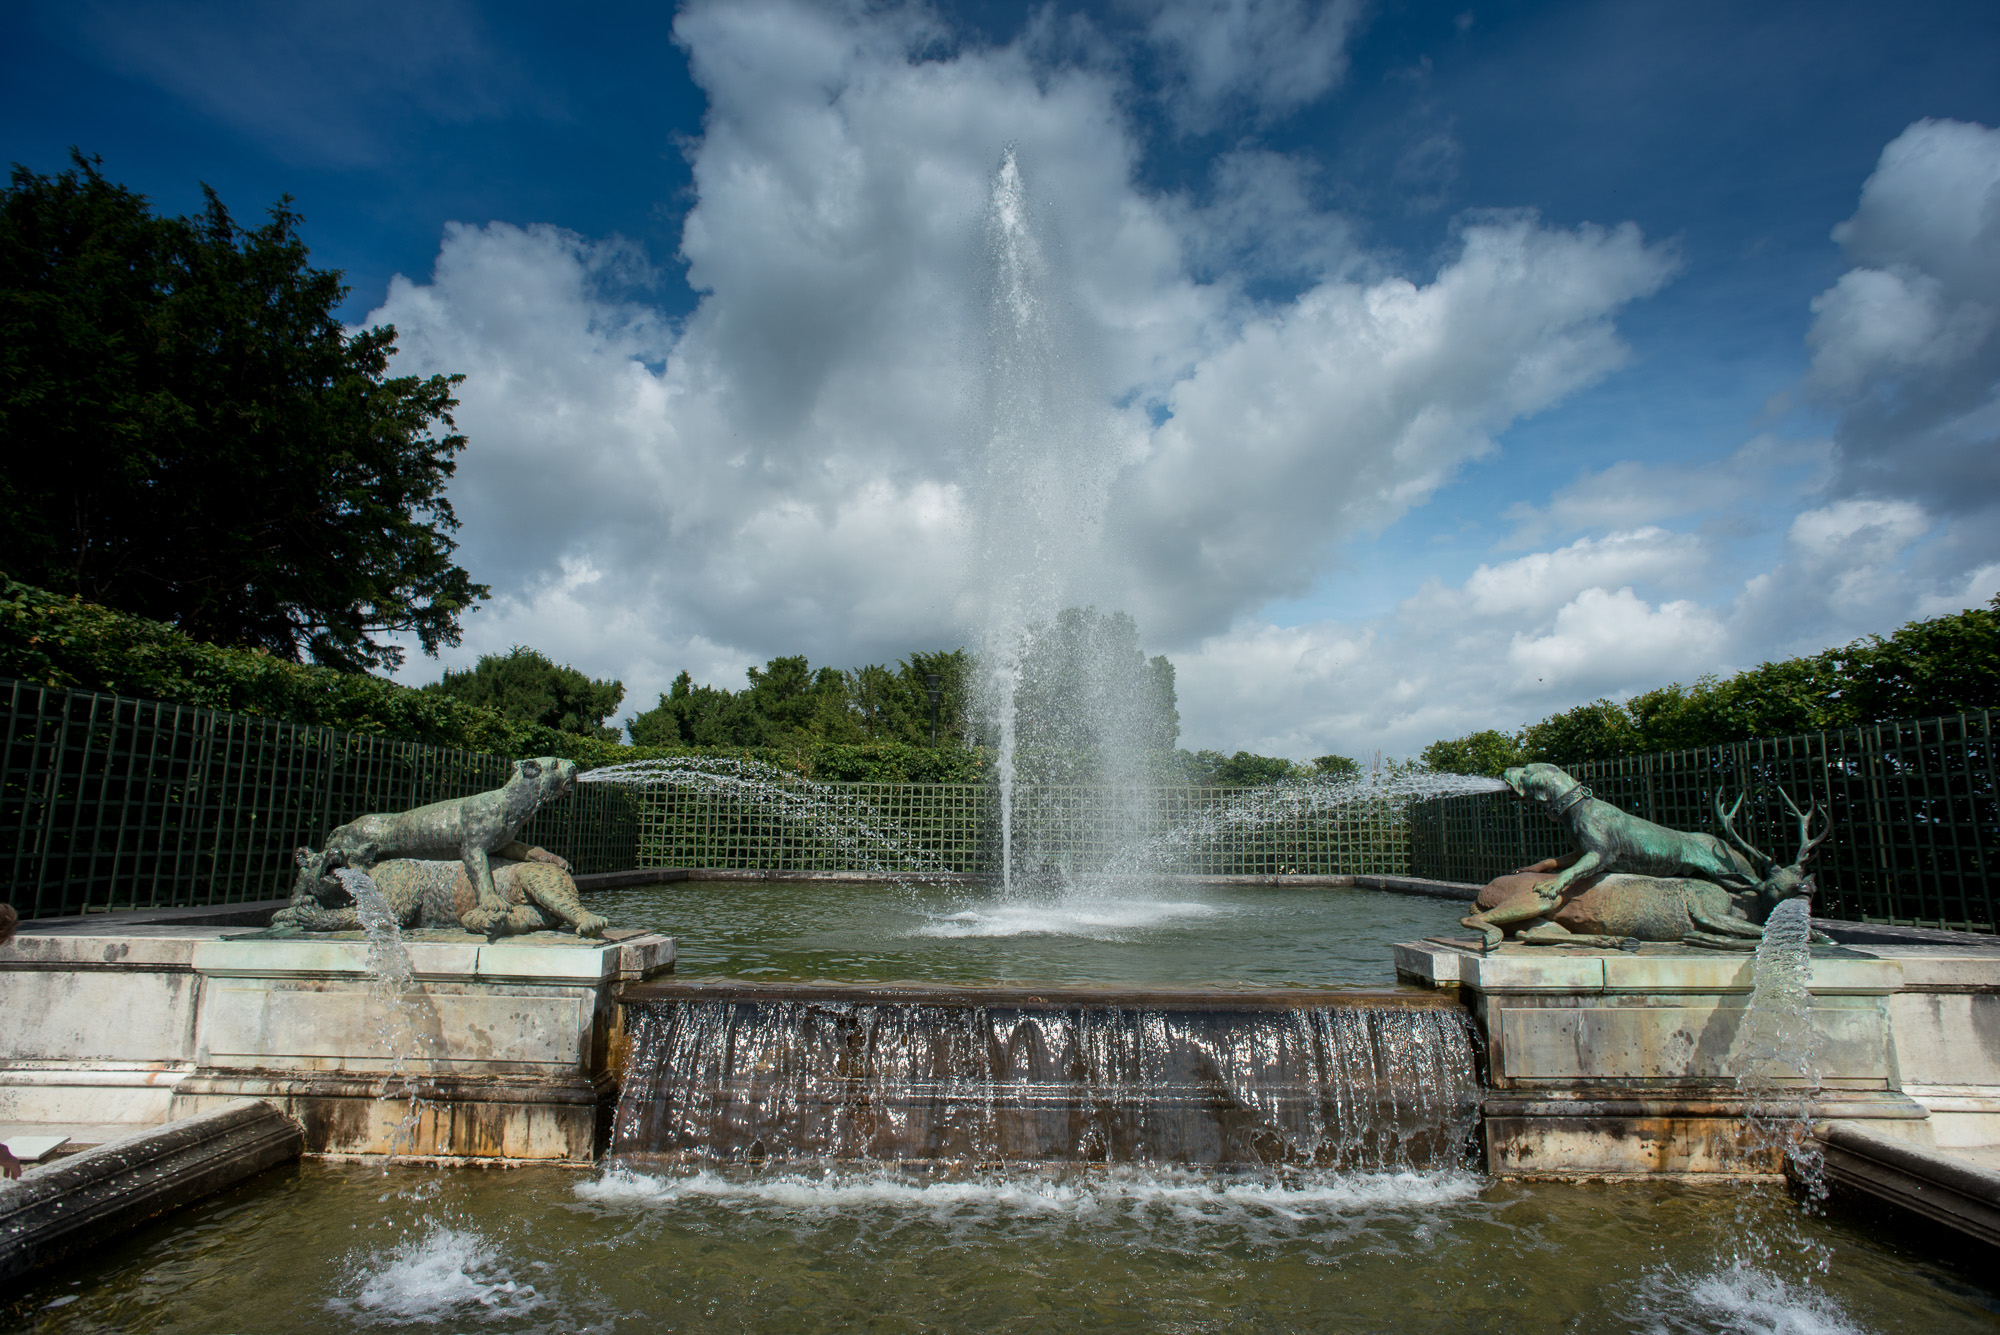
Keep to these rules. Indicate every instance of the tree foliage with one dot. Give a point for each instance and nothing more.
(789, 703)
(1089, 704)
(525, 685)
(66, 642)
(1943, 665)
(1485, 752)
(192, 435)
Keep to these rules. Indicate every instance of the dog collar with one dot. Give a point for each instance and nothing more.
(1564, 801)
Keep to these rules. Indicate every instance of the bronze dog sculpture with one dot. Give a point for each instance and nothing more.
(470, 829)
(540, 893)
(1718, 894)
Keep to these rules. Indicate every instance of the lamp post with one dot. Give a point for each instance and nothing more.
(931, 684)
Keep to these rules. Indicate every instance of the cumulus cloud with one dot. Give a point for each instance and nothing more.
(1518, 640)
(1906, 345)
(798, 466)
(1631, 493)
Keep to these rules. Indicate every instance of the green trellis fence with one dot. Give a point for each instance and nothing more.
(1915, 810)
(914, 828)
(114, 803)
(108, 802)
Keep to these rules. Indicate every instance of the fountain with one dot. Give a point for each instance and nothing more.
(883, 1133)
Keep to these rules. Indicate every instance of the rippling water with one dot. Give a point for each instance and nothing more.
(1173, 932)
(343, 1248)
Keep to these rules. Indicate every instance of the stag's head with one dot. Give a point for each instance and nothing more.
(1776, 882)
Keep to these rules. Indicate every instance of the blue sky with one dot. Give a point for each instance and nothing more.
(1443, 365)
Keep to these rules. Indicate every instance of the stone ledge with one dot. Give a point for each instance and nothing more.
(83, 1200)
(1655, 969)
(1933, 1183)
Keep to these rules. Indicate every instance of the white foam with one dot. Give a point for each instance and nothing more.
(1087, 916)
(446, 1273)
(1213, 1198)
(1741, 1299)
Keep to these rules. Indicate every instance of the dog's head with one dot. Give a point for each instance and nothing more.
(316, 876)
(1539, 781)
(552, 777)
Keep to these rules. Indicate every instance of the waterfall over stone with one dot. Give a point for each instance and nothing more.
(1215, 1080)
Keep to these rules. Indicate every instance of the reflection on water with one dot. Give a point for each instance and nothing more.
(1257, 935)
(343, 1248)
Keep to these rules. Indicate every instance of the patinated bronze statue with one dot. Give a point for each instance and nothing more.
(469, 830)
(1630, 880)
(540, 894)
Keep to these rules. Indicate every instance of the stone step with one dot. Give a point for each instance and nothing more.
(70, 1204)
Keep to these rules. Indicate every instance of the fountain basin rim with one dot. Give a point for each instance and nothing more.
(1014, 996)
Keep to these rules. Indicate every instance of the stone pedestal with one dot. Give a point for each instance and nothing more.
(510, 1049)
(1613, 1063)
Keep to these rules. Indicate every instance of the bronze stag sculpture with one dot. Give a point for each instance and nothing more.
(1630, 880)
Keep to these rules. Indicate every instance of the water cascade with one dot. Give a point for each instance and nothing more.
(964, 1077)
(1776, 1070)
(406, 1034)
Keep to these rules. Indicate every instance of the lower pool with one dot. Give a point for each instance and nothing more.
(329, 1247)
(1171, 932)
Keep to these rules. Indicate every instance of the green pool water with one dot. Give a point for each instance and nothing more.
(1165, 933)
(325, 1247)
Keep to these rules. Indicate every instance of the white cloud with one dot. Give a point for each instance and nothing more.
(1271, 56)
(1338, 413)
(797, 467)
(1604, 634)
(1537, 583)
(1522, 639)
(1906, 345)
(1631, 493)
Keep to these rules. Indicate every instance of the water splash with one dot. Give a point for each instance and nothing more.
(1737, 1297)
(869, 841)
(407, 1023)
(444, 1273)
(1050, 459)
(1384, 794)
(1268, 1208)
(1777, 1048)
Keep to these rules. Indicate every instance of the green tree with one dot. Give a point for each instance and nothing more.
(894, 704)
(1089, 696)
(1943, 665)
(526, 686)
(1244, 769)
(789, 703)
(1596, 731)
(1486, 752)
(1335, 767)
(192, 436)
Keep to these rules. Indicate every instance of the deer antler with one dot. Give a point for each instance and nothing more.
(1807, 843)
(1762, 862)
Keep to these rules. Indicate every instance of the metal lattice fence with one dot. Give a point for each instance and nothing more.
(1915, 810)
(1059, 828)
(108, 802)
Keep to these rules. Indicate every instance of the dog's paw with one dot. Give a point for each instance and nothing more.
(483, 920)
(522, 918)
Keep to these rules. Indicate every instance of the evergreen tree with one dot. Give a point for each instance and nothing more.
(188, 433)
(526, 686)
